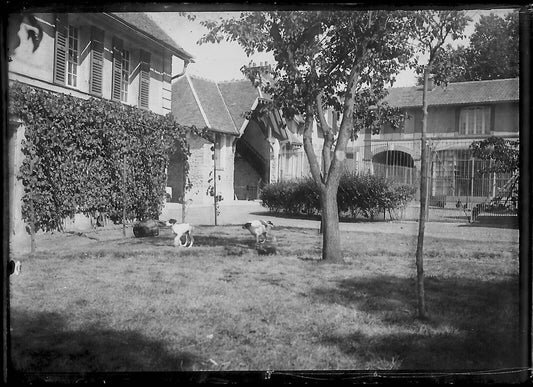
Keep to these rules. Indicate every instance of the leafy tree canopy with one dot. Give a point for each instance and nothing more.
(316, 52)
(504, 154)
(493, 52)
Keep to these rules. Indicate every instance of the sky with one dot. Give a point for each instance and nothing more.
(222, 61)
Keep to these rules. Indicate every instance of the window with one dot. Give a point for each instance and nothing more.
(66, 52)
(121, 71)
(72, 63)
(125, 78)
(475, 120)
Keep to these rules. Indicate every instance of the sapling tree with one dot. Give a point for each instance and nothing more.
(341, 60)
(432, 30)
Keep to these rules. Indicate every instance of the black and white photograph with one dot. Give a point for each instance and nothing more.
(277, 194)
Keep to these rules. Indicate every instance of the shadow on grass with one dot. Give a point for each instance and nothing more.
(166, 238)
(473, 324)
(317, 218)
(286, 216)
(511, 222)
(42, 342)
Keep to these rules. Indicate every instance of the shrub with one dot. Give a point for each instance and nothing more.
(365, 195)
(291, 197)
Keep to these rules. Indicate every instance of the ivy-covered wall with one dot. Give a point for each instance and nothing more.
(83, 156)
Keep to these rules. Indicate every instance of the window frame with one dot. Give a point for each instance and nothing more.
(125, 75)
(475, 120)
(71, 78)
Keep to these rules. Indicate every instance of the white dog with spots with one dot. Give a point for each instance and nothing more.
(181, 229)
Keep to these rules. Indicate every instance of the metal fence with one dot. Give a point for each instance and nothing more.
(459, 187)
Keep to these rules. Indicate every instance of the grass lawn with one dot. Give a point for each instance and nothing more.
(102, 302)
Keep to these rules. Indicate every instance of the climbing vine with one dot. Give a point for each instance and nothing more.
(84, 156)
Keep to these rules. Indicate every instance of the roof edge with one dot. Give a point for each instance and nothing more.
(180, 53)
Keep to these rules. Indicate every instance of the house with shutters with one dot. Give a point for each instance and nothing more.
(124, 57)
(458, 114)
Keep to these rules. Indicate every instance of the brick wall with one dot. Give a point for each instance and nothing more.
(201, 167)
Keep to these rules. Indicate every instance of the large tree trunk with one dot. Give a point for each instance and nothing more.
(331, 237)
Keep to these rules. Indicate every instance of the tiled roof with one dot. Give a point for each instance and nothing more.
(213, 104)
(239, 97)
(186, 106)
(499, 90)
(144, 24)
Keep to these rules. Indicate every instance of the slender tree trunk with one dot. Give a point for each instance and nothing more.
(422, 312)
(32, 220)
(124, 198)
(331, 237)
(215, 182)
(183, 203)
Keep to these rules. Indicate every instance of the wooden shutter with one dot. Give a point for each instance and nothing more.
(61, 49)
(144, 80)
(117, 68)
(97, 60)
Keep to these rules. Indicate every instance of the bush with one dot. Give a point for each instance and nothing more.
(365, 195)
(291, 197)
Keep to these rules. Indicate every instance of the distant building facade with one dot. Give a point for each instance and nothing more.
(269, 149)
(458, 114)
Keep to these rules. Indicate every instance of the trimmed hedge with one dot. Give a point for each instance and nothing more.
(359, 195)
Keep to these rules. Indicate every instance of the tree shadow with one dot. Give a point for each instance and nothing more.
(511, 222)
(473, 323)
(215, 239)
(286, 216)
(342, 218)
(43, 342)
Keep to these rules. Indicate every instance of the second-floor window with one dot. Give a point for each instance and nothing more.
(125, 78)
(72, 63)
(66, 52)
(121, 71)
(475, 120)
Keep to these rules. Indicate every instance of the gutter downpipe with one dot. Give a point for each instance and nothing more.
(187, 62)
(183, 205)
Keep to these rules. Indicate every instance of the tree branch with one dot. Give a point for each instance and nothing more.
(276, 35)
(335, 169)
(329, 136)
(309, 150)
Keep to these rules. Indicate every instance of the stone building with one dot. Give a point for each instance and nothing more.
(266, 149)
